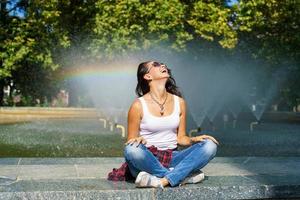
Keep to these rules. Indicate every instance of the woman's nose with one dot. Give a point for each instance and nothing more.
(164, 66)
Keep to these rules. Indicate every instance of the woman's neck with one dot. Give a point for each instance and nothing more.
(159, 91)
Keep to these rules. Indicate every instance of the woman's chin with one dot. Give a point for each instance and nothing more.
(163, 77)
(166, 76)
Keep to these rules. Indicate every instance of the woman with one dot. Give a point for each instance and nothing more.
(156, 125)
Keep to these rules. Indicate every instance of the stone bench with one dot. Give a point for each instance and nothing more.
(85, 178)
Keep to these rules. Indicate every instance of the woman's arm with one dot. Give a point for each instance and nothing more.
(182, 139)
(133, 123)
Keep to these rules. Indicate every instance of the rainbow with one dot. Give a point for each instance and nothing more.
(111, 70)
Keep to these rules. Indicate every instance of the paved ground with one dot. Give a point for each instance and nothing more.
(84, 178)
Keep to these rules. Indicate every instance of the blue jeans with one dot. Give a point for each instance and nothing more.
(195, 157)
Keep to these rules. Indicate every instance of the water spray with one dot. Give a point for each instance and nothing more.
(5, 180)
(234, 123)
(225, 120)
(213, 128)
(122, 129)
(112, 125)
(197, 130)
(104, 122)
(252, 124)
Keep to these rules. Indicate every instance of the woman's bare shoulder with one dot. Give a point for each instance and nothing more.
(136, 109)
(181, 99)
(136, 105)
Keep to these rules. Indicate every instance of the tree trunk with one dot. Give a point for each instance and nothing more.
(2, 84)
(73, 97)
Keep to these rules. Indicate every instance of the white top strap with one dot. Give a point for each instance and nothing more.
(144, 106)
(177, 104)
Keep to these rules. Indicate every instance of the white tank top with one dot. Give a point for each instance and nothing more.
(160, 131)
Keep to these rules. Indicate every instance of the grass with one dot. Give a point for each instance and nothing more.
(87, 138)
(75, 138)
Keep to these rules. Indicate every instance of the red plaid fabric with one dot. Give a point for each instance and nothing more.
(123, 173)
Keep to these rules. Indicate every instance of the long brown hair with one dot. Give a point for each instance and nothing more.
(142, 86)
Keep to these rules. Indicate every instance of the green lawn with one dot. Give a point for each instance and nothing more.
(87, 138)
(59, 138)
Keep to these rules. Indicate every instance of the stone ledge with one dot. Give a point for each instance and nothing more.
(84, 178)
(11, 115)
(252, 187)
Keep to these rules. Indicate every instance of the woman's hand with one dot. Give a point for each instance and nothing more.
(201, 138)
(138, 140)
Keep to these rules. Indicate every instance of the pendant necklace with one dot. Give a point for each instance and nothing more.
(161, 105)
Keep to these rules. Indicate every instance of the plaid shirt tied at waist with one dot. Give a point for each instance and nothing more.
(123, 173)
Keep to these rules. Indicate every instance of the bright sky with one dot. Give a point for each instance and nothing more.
(16, 12)
(20, 13)
(231, 2)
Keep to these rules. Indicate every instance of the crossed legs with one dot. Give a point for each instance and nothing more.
(139, 158)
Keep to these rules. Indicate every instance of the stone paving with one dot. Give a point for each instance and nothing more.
(85, 178)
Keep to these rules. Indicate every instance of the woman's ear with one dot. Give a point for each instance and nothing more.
(148, 77)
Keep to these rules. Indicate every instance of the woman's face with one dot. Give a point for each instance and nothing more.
(157, 70)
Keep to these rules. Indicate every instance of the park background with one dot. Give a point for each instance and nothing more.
(68, 72)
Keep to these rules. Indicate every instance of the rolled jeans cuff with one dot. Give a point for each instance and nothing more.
(169, 178)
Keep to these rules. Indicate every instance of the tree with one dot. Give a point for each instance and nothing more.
(61, 34)
(274, 37)
(33, 37)
(129, 26)
(35, 83)
(77, 19)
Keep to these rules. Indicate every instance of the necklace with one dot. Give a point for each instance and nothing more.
(161, 105)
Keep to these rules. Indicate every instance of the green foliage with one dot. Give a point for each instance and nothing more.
(109, 28)
(133, 25)
(211, 19)
(35, 83)
(56, 34)
(274, 27)
(31, 38)
(275, 38)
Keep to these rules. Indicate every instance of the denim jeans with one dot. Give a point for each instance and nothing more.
(195, 157)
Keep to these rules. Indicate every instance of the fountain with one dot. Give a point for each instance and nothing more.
(211, 89)
(225, 120)
(258, 100)
(104, 122)
(213, 111)
(5, 180)
(235, 107)
(195, 132)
